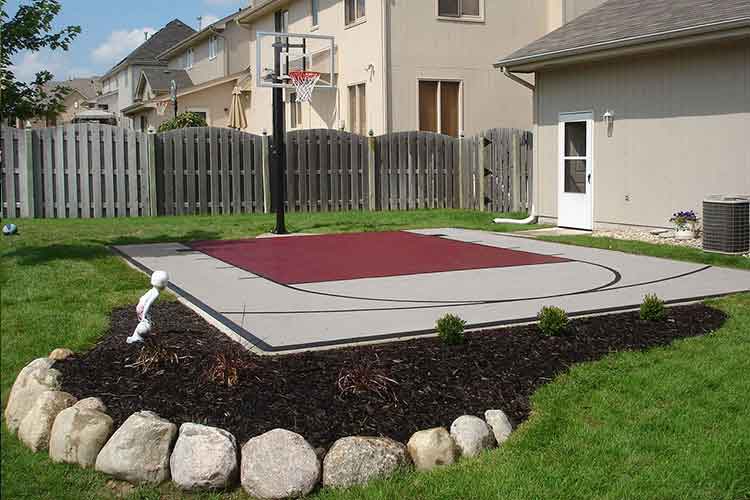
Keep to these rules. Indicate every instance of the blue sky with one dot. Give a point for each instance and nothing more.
(110, 30)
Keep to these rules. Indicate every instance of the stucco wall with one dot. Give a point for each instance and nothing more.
(425, 47)
(681, 131)
(357, 47)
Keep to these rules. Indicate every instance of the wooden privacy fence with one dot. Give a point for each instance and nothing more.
(103, 171)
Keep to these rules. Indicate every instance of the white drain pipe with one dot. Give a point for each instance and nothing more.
(531, 219)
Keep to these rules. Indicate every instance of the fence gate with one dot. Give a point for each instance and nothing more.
(505, 162)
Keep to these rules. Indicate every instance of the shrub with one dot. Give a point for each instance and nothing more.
(652, 308)
(183, 120)
(450, 329)
(365, 377)
(553, 321)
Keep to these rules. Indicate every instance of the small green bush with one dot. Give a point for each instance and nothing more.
(183, 120)
(652, 308)
(451, 329)
(553, 321)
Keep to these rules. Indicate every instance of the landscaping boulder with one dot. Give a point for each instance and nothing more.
(357, 460)
(432, 447)
(60, 354)
(34, 379)
(279, 464)
(472, 435)
(139, 451)
(204, 458)
(79, 433)
(35, 427)
(500, 425)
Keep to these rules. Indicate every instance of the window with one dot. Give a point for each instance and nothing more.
(295, 111)
(358, 109)
(460, 8)
(212, 44)
(189, 58)
(314, 7)
(202, 114)
(354, 11)
(440, 107)
(281, 21)
(575, 157)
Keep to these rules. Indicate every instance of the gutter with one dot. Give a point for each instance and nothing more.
(626, 42)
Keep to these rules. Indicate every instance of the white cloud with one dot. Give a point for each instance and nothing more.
(119, 44)
(208, 19)
(28, 64)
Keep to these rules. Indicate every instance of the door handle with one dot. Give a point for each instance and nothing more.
(589, 178)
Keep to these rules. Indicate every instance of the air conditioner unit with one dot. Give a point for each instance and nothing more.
(726, 224)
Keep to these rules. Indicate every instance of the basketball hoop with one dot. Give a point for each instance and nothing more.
(304, 82)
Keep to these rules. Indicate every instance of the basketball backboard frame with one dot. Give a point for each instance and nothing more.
(300, 51)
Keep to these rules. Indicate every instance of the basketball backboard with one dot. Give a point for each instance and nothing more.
(297, 52)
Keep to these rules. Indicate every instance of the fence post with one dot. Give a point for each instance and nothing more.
(151, 168)
(371, 170)
(461, 170)
(480, 174)
(27, 201)
(265, 173)
(515, 172)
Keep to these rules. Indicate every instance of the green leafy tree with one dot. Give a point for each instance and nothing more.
(183, 120)
(31, 29)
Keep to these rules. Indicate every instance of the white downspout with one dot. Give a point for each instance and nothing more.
(531, 219)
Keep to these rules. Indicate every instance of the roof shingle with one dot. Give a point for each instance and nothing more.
(617, 20)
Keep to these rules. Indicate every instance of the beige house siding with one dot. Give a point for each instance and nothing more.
(425, 47)
(681, 129)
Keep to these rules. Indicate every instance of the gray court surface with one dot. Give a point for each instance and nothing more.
(279, 318)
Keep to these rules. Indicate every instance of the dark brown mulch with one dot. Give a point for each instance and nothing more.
(191, 372)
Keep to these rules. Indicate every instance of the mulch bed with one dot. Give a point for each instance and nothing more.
(191, 372)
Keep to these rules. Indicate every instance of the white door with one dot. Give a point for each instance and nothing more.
(575, 199)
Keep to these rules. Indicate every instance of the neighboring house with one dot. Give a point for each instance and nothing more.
(118, 84)
(642, 108)
(410, 65)
(82, 95)
(400, 64)
(206, 67)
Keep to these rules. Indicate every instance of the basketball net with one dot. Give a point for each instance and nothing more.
(304, 82)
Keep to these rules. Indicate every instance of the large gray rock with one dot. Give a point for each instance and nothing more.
(79, 433)
(35, 427)
(432, 447)
(500, 425)
(34, 379)
(472, 435)
(204, 458)
(139, 451)
(357, 460)
(279, 464)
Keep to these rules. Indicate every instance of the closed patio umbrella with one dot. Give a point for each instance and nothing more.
(237, 113)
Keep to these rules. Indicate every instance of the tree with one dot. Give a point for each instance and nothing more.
(31, 29)
(183, 120)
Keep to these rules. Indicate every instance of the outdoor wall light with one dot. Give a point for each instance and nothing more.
(609, 121)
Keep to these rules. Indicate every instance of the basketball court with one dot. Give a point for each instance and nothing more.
(288, 293)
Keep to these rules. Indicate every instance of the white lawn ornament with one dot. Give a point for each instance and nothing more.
(159, 281)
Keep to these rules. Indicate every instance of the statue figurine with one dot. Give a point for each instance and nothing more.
(159, 282)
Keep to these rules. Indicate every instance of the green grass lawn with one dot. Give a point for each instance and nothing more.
(669, 423)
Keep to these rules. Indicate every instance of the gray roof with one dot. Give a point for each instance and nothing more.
(160, 79)
(148, 52)
(87, 87)
(630, 22)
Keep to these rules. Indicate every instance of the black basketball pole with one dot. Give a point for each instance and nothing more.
(278, 152)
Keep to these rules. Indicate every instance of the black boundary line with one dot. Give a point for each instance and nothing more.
(265, 347)
(481, 302)
(616, 279)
